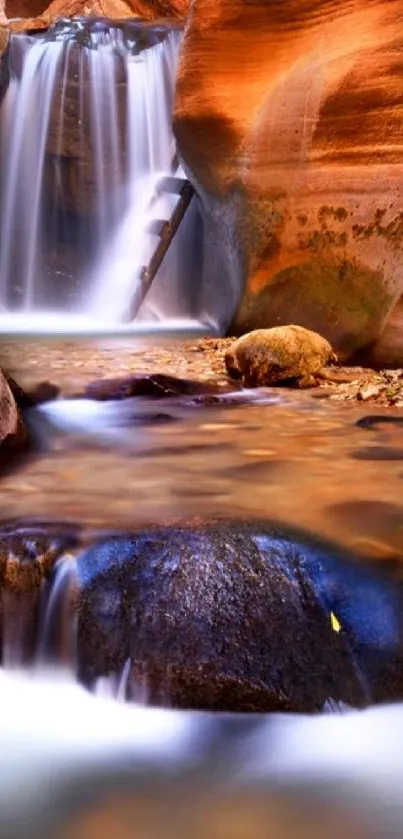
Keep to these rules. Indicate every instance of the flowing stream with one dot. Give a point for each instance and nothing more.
(119, 468)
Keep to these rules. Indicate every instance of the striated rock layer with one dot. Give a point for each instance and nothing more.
(25, 15)
(288, 117)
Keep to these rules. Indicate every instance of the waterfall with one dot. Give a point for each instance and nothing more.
(85, 141)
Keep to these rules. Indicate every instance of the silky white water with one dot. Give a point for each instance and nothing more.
(150, 87)
(86, 139)
(27, 104)
(69, 760)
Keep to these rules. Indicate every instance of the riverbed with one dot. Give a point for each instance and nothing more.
(305, 458)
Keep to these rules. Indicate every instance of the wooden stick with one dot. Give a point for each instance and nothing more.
(148, 272)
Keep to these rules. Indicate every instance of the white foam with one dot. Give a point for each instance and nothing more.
(38, 324)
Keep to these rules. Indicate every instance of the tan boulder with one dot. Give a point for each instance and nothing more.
(288, 117)
(281, 354)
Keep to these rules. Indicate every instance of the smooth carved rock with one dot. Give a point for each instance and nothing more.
(39, 14)
(288, 116)
(284, 353)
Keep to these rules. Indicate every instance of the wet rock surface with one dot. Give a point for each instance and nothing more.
(225, 615)
(40, 393)
(155, 386)
(13, 434)
(210, 618)
(28, 554)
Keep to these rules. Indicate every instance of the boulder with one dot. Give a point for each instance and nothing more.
(221, 615)
(234, 616)
(288, 118)
(281, 354)
(152, 386)
(40, 393)
(13, 435)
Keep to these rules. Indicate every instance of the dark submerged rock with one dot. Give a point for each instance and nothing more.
(378, 453)
(221, 615)
(235, 617)
(372, 422)
(155, 386)
(42, 392)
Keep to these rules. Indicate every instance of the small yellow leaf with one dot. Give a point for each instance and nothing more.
(334, 622)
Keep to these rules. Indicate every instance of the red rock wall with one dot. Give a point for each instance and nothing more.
(289, 117)
(38, 14)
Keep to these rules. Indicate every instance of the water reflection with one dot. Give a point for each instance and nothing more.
(279, 455)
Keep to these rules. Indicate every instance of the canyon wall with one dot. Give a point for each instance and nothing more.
(289, 119)
(22, 15)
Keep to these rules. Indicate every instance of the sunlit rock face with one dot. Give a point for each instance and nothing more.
(288, 116)
(39, 14)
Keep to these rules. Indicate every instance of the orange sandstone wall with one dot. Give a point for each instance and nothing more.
(289, 117)
(39, 14)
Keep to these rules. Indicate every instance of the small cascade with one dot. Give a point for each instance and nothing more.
(86, 145)
(57, 637)
(115, 687)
